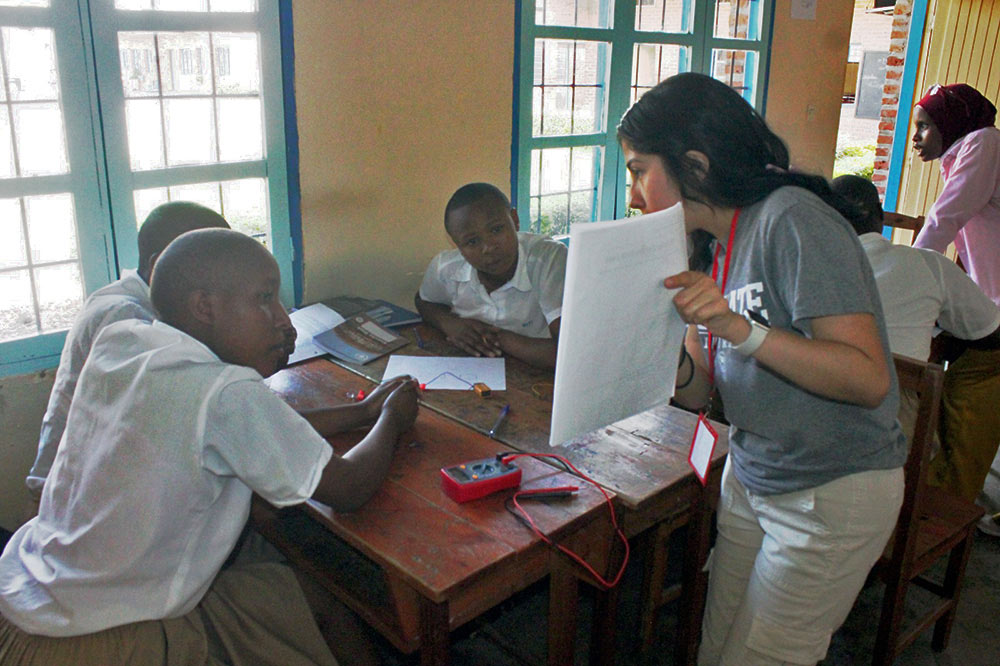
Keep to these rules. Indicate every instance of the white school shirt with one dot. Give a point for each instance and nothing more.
(151, 486)
(526, 304)
(921, 289)
(126, 298)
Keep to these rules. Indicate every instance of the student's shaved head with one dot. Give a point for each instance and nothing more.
(213, 260)
(483, 194)
(166, 223)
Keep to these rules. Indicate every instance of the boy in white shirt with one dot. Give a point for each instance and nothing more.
(922, 291)
(169, 434)
(500, 291)
(126, 298)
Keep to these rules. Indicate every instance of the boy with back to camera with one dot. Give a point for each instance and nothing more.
(923, 291)
(500, 292)
(126, 298)
(170, 432)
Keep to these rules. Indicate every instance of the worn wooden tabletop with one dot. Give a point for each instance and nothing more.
(429, 550)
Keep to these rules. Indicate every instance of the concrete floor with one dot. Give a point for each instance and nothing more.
(514, 634)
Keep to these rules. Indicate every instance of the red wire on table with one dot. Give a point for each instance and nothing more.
(505, 458)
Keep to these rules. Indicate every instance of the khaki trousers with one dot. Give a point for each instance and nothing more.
(253, 614)
(970, 423)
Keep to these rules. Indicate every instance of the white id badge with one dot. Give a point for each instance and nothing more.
(702, 446)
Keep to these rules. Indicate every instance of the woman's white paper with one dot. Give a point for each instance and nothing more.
(620, 335)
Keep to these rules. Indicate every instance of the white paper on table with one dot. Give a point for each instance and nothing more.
(620, 335)
(308, 322)
(428, 370)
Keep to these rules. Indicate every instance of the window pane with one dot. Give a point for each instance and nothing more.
(137, 53)
(651, 63)
(737, 19)
(569, 88)
(190, 131)
(24, 3)
(206, 194)
(240, 126)
(60, 295)
(145, 133)
(6, 147)
(185, 68)
(51, 227)
(237, 63)
(31, 64)
(580, 13)
(189, 5)
(12, 249)
(233, 5)
(244, 205)
(563, 187)
(663, 15)
(41, 140)
(737, 69)
(146, 200)
(17, 314)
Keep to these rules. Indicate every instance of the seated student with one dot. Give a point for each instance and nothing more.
(126, 298)
(922, 291)
(169, 434)
(501, 291)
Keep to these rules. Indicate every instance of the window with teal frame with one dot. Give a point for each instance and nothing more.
(581, 63)
(109, 108)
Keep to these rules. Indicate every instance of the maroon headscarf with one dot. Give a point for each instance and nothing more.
(957, 110)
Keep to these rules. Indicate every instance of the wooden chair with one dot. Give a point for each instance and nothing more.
(932, 524)
(909, 223)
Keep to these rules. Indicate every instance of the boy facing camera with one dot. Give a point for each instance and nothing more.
(500, 291)
(170, 432)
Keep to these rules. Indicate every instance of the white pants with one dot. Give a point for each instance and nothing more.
(786, 568)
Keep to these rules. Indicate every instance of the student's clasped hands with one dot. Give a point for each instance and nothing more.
(397, 398)
(472, 336)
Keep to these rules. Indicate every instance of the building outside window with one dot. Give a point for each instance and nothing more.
(583, 62)
(109, 108)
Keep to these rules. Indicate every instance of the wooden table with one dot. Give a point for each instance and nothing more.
(642, 459)
(412, 562)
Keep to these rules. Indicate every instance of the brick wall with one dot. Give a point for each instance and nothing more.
(890, 93)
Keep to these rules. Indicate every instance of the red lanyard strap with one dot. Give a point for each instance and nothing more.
(722, 287)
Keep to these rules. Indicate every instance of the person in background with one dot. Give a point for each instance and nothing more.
(814, 479)
(922, 292)
(501, 291)
(125, 298)
(955, 123)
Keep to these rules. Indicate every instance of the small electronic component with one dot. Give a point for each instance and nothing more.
(482, 390)
(478, 478)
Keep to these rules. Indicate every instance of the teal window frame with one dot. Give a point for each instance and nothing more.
(610, 175)
(100, 177)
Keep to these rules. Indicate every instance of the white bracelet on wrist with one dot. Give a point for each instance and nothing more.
(753, 342)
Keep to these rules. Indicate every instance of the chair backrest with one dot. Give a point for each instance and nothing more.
(900, 221)
(926, 380)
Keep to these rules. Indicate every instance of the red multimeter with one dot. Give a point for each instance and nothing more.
(478, 478)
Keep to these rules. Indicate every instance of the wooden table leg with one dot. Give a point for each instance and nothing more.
(434, 632)
(695, 583)
(564, 597)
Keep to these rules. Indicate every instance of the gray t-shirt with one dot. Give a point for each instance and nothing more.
(796, 259)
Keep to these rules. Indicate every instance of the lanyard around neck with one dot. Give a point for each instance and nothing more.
(722, 287)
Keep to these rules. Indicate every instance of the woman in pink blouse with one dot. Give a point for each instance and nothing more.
(955, 123)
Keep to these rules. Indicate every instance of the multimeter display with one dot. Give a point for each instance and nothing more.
(478, 478)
